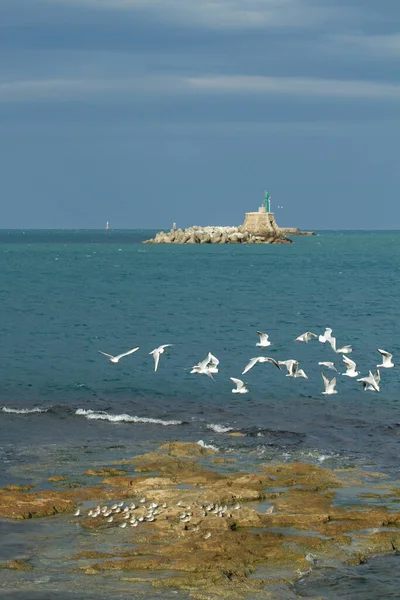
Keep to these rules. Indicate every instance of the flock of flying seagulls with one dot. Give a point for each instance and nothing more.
(209, 366)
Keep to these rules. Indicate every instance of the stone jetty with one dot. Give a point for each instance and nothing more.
(258, 228)
(217, 235)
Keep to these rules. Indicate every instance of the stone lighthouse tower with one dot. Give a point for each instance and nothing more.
(263, 221)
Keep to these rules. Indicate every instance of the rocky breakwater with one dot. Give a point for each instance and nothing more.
(218, 235)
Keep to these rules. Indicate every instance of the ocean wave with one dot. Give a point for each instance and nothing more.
(123, 418)
(23, 411)
(209, 446)
(219, 428)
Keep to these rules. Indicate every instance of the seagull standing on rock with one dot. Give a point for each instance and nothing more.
(116, 359)
(156, 354)
(387, 362)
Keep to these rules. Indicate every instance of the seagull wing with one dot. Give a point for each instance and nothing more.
(127, 353)
(156, 356)
(273, 362)
(105, 354)
(291, 365)
(213, 359)
(377, 376)
(350, 364)
(326, 381)
(238, 382)
(332, 341)
(332, 383)
(164, 346)
(250, 364)
(387, 357)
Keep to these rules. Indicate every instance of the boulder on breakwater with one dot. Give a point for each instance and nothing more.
(218, 235)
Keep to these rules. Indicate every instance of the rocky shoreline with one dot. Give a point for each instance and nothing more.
(208, 529)
(217, 235)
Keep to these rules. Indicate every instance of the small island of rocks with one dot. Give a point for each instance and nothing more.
(258, 228)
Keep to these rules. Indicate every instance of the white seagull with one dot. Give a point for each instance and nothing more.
(240, 386)
(264, 341)
(202, 368)
(326, 337)
(343, 350)
(351, 367)
(387, 362)
(371, 382)
(329, 385)
(156, 354)
(259, 359)
(213, 363)
(328, 365)
(306, 337)
(116, 359)
(293, 368)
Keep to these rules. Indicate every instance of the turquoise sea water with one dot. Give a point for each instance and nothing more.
(64, 295)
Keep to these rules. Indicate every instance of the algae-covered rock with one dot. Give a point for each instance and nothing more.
(187, 450)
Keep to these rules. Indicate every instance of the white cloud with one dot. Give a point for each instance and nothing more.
(229, 14)
(134, 87)
(300, 86)
(385, 45)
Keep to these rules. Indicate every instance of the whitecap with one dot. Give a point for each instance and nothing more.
(219, 428)
(123, 418)
(23, 411)
(209, 446)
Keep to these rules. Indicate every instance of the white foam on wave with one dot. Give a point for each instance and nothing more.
(124, 418)
(209, 446)
(219, 428)
(23, 411)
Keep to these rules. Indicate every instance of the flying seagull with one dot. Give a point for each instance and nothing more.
(328, 365)
(293, 368)
(240, 386)
(371, 382)
(156, 354)
(351, 367)
(264, 341)
(387, 362)
(329, 385)
(326, 337)
(116, 359)
(203, 368)
(306, 337)
(213, 363)
(343, 350)
(259, 359)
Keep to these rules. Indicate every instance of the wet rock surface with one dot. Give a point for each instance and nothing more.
(183, 521)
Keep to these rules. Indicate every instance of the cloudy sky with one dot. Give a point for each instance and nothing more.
(145, 112)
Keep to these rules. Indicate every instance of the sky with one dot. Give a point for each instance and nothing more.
(149, 112)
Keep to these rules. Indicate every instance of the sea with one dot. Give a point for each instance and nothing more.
(66, 295)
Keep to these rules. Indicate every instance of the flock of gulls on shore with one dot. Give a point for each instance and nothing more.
(209, 366)
(122, 514)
